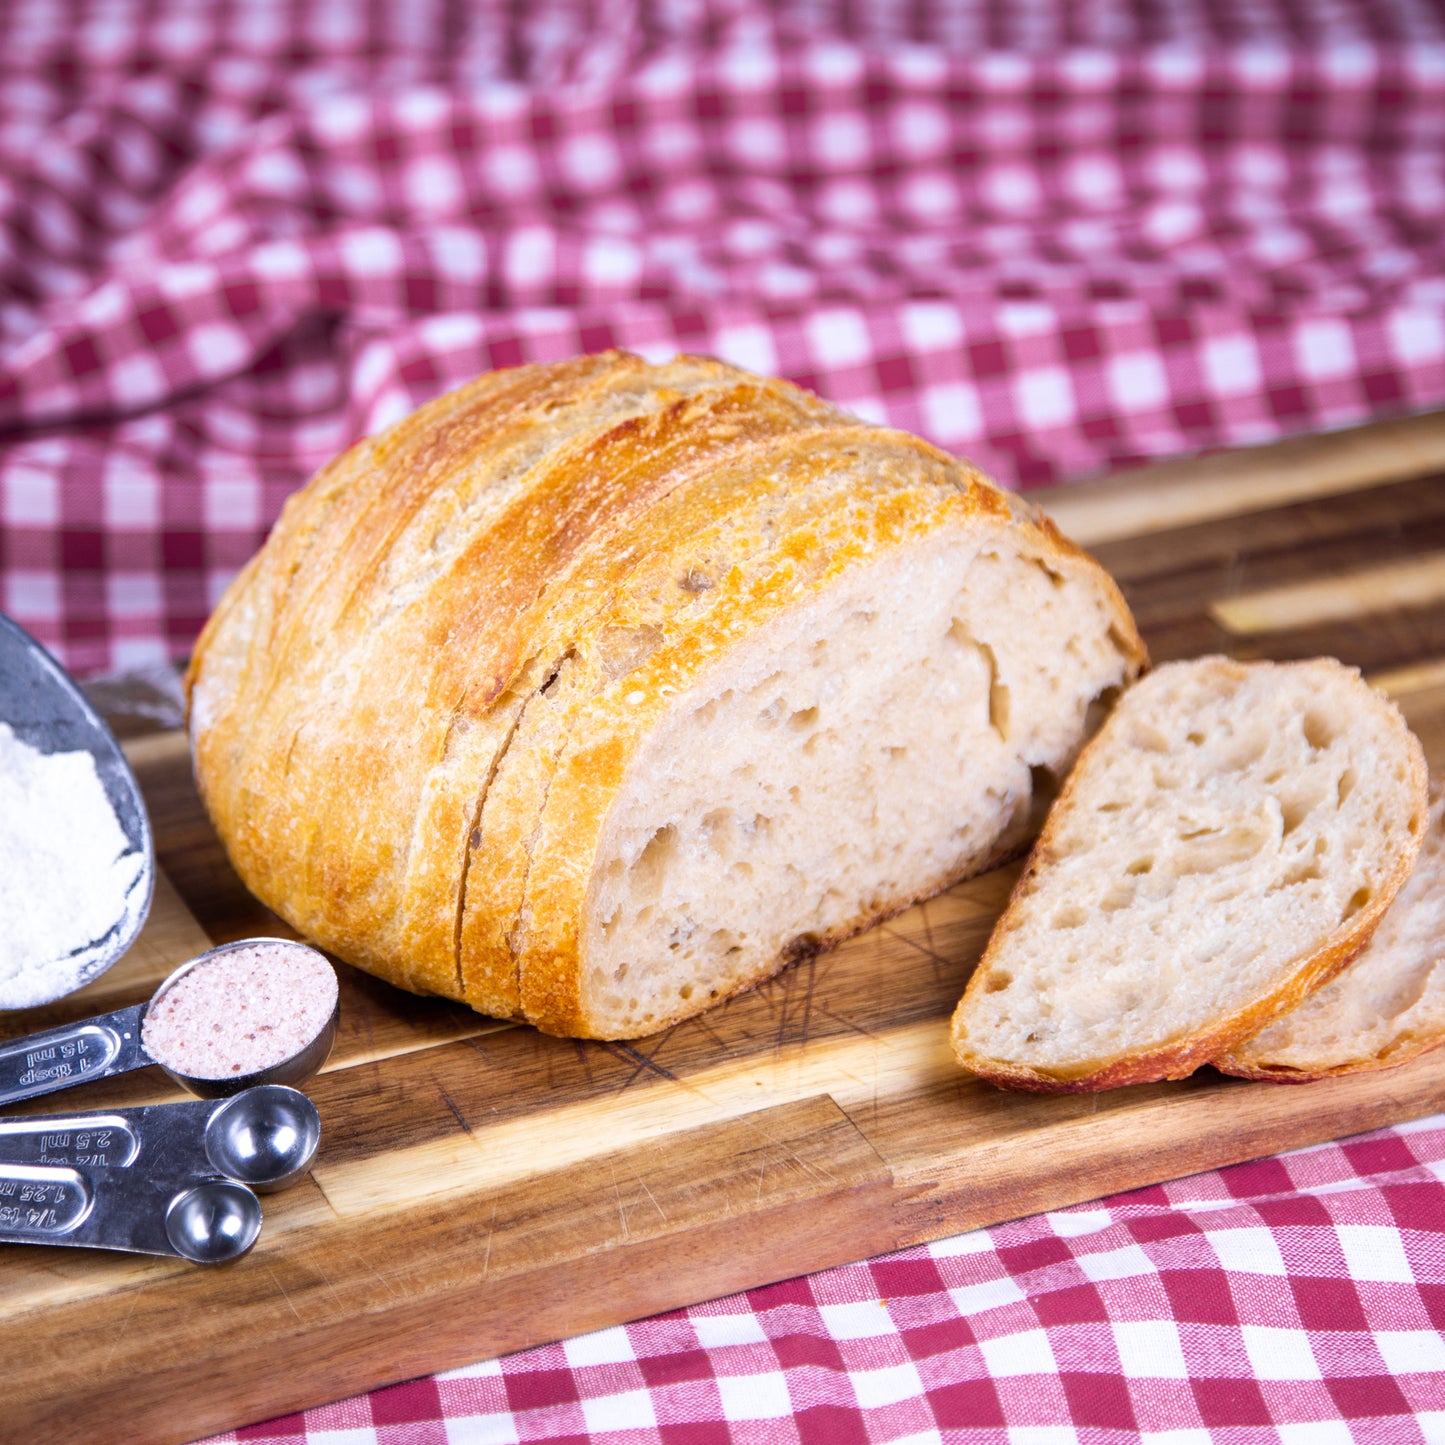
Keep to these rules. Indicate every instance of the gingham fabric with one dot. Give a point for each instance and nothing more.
(1295, 1301)
(1059, 235)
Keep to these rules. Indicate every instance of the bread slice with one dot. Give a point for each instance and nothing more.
(1226, 843)
(1387, 1007)
(596, 692)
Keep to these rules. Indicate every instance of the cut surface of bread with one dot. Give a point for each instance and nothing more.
(862, 750)
(1225, 844)
(1387, 1007)
(597, 691)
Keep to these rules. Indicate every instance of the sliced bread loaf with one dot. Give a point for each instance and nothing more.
(1387, 1007)
(598, 691)
(1226, 844)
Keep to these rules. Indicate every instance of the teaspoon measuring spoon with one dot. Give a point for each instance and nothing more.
(49, 713)
(142, 1179)
(264, 1138)
(111, 1044)
(205, 1220)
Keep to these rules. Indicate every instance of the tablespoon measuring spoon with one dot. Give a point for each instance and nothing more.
(207, 1221)
(108, 1044)
(48, 712)
(264, 1138)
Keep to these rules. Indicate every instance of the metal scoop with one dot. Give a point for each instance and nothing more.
(143, 1180)
(111, 1044)
(48, 712)
(264, 1138)
(207, 1221)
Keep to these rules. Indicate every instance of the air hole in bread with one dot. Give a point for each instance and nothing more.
(1295, 806)
(1358, 899)
(1239, 753)
(804, 719)
(996, 980)
(1140, 865)
(1069, 916)
(1043, 788)
(1149, 738)
(998, 699)
(1305, 871)
(651, 866)
(1196, 738)
(1099, 708)
(1346, 785)
(1318, 730)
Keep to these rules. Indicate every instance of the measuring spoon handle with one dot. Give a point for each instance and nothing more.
(72, 1054)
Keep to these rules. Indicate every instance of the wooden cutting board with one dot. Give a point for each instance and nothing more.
(481, 1187)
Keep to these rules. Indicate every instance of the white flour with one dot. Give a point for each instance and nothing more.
(67, 874)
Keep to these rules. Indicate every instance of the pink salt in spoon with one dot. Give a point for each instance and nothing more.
(259, 1011)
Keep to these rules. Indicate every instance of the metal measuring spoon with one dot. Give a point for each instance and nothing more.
(207, 1221)
(49, 712)
(264, 1138)
(111, 1044)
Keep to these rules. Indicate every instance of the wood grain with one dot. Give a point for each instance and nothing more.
(482, 1187)
(1389, 587)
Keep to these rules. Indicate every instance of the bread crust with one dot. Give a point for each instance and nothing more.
(409, 713)
(1179, 1057)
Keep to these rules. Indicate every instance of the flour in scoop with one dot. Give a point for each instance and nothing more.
(68, 874)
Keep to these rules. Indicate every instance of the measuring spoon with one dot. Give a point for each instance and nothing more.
(49, 712)
(111, 1044)
(264, 1138)
(207, 1221)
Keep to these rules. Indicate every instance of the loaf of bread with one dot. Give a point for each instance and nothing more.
(1225, 845)
(1387, 1007)
(593, 693)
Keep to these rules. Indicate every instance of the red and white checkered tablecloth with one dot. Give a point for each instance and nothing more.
(1058, 235)
(1295, 1301)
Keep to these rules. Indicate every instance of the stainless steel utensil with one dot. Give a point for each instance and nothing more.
(207, 1221)
(48, 712)
(264, 1138)
(111, 1044)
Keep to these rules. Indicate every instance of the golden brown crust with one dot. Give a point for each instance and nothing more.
(1180, 1057)
(406, 712)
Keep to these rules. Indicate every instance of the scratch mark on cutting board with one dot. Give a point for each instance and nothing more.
(491, 1234)
(940, 963)
(849, 1024)
(124, 1325)
(456, 1112)
(650, 1195)
(284, 1295)
(621, 1209)
(644, 1064)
